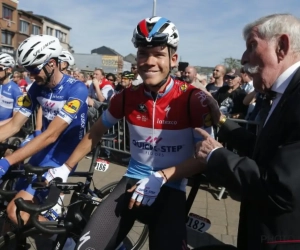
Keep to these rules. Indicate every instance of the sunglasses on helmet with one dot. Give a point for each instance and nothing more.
(156, 40)
(3, 68)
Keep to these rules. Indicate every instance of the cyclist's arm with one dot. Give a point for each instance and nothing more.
(107, 120)
(12, 126)
(88, 142)
(50, 135)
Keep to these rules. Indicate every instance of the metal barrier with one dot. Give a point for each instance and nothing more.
(121, 144)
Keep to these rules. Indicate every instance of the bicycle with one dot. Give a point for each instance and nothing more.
(83, 203)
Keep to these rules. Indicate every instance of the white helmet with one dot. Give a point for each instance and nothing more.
(66, 56)
(155, 31)
(38, 49)
(7, 60)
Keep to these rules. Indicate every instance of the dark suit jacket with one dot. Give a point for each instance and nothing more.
(269, 181)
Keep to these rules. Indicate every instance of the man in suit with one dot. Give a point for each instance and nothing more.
(269, 179)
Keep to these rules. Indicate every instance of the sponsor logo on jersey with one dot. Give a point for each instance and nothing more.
(142, 108)
(202, 97)
(207, 120)
(165, 122)
(26, 101)
(183, 87)
(72, 107)
(20, 100)
(167, 110)
(153, 144)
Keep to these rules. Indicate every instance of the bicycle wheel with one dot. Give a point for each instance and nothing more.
(138, 235)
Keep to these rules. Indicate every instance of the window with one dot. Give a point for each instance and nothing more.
(6, 37)
(7, 12)
(36, 30)
(24, 27)
(49, 31)
(61, 36)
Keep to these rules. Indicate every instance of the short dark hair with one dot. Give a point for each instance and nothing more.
(112, 75)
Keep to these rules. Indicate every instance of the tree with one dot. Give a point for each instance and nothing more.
(231, 63)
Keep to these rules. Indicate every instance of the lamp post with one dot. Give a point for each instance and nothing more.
(154, 8)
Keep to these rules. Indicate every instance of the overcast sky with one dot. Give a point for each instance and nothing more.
(209, 30)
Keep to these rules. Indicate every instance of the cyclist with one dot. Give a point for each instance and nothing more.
(65, 60)
(10, 93)
(161, 114)
(63, 100)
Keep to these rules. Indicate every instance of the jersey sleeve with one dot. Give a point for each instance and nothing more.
(18, 99)
(115, 111)
(76, 102)
(200, 114)
(29, 101)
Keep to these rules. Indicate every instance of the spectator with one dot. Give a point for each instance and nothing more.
(100, 92)
(18, 79)
(137, 79)
(26, 77)
(211, 79)
(202, 79)
(178, 74)
(247, 83)
(218, 74)
(230, 98)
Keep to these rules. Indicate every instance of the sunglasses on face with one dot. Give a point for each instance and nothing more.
(2, 68)
(35, 69)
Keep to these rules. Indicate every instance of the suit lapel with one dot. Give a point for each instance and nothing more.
(273, 123)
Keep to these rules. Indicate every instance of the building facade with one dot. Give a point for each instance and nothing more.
(28, 24)
(9, 26)
(57, 29)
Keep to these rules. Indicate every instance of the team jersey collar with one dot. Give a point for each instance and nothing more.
(168, 87)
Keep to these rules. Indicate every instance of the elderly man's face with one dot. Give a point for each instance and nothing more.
(261, 61)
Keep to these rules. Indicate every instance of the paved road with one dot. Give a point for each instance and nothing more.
(223, 214)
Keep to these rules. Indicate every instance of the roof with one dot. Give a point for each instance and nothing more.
(30, 13)
(105, 51)
(130, 58)
(54, 21)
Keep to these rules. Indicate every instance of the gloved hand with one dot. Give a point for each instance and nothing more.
(4, 165)
(61, 172)
(146, 190)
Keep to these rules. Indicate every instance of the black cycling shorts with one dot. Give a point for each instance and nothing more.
(112, 220)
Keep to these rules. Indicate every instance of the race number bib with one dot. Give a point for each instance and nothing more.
(198, 223)
(101, 165)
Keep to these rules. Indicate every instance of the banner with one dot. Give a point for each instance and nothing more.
(110, 61)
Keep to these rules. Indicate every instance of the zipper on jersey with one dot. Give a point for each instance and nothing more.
(153, 126)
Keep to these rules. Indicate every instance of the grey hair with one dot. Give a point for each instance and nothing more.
(269, 27)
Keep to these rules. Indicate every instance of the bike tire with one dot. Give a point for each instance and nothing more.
(106, 190)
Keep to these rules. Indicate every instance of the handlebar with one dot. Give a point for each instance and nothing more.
(34, 210)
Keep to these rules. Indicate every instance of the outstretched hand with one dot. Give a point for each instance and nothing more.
(203, 148)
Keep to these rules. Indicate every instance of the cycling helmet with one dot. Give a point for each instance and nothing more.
(38, 49)
(128, 75)
(66, 56)
(7, 60)
(155, 31)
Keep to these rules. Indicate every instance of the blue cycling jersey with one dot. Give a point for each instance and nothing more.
(10, 96)
(68, 101)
